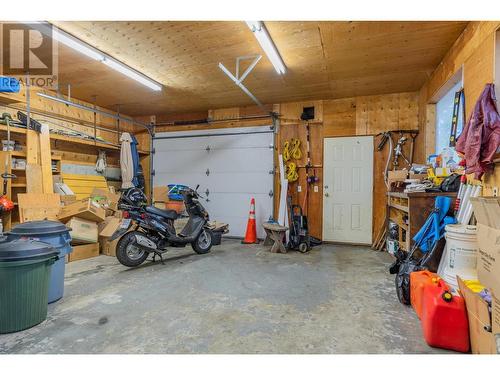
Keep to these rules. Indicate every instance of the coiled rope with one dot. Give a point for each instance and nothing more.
(291, 150)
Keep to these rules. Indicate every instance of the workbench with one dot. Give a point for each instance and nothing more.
(410, 211)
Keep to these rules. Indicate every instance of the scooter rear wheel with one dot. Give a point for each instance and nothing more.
(128, 253)
(203, 242)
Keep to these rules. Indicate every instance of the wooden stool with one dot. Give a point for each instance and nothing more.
(275, 235)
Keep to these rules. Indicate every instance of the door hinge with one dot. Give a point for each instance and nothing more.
(207, 172)
(271, 193)
(208, 148)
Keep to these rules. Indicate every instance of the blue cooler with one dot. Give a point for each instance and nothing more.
(55, 234)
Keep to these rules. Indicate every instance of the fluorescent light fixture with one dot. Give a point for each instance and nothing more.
(259, 30)
(131, 73)
(77, 45)
(95, 54)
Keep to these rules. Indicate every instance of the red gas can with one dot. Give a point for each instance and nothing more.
(417, 282)
(444, 318)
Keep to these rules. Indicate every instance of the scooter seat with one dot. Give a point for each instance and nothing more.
(167, 214)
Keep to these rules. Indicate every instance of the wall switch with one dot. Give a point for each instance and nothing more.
(299, 188)
(316, 188)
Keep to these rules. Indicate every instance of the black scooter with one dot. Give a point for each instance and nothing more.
(154, 228)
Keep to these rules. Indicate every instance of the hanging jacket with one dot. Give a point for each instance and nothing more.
(126, 161)
(480, 138)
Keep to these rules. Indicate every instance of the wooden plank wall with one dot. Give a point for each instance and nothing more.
(366, 115)
(474, 51)
(70, 153)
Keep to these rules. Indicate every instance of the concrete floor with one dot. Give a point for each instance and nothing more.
(237, 299)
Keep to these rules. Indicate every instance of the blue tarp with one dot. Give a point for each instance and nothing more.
(433, 228)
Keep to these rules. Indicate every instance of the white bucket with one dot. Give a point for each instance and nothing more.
(460, 255)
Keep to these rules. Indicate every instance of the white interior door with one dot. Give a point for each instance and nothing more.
(231, 165)
(348, 189)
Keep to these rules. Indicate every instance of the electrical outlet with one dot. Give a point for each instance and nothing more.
(299, 188)
(495, 191)
(316, 189)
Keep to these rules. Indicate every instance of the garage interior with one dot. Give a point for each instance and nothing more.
(225, 187)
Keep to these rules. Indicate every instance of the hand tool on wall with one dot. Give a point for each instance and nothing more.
(459, 98)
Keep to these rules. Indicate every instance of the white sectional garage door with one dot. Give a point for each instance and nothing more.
(232, 165)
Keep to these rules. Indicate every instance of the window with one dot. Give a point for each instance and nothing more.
(444, 114)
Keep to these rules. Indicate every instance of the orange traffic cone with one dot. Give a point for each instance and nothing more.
(251, 234)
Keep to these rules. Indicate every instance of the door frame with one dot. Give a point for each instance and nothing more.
(372, 188)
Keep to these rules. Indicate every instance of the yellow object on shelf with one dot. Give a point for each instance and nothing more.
(83, 184)
(474, 285)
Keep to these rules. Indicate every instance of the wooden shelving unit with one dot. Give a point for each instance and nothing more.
(410, 211)
(71, 140)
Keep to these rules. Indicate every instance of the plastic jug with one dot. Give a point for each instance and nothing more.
(444, 318)
(417, 282)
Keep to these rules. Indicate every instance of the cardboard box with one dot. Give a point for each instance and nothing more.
(84, 252)
(487, 211)
(105, 198)
(397, 175)
(85, 209)
(488, 262)
(62, 188)
(82, 231)
(480, 323)
(67, 199)
(109, 226)
(108, 247)
(417, 176)
(160, 194)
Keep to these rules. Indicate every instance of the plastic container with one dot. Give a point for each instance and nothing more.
(216, 237)
(444, 318)
(177, 206)
(174, 192)
(25, 268)
(460, 257)
(418, 280)
(55, 234)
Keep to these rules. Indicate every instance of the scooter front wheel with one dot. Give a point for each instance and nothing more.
(128, 253)
(203, 242)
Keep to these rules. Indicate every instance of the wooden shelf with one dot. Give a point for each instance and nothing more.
(72, 140)
(399, 207)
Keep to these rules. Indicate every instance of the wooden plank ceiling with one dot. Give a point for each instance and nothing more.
(325, 60)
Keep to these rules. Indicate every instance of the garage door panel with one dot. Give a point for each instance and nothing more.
(238, 166)
(243, 182)
(175, 161)
(237, 159)
(188, 179)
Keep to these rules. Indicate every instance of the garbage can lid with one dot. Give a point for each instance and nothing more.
(22, 249)
(39, 227)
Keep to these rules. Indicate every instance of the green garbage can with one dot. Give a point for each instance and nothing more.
(24, 279)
